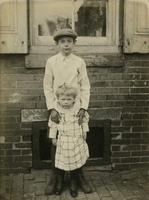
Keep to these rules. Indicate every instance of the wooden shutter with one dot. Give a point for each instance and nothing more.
(136, 26)
(13, 26)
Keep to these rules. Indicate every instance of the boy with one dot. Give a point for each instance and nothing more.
(65, 67)
(71, 147)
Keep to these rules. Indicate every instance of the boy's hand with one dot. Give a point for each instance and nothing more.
(84, 135)
(81, 115)
(55, 116)
(54, 141)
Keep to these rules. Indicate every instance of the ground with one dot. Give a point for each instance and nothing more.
(106, 185)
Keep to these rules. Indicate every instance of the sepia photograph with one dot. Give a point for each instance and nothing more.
(74, 99)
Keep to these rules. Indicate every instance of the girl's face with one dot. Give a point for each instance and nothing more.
(66, 101)
(65, 45)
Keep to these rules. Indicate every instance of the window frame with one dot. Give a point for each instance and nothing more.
(84, 45)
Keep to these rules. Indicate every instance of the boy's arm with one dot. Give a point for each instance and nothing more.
(52, 129)
(84, 86)
(85, 121)
(49, 92)
(52, 133)
(48, 86)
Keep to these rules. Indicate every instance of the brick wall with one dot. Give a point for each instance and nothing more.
(118, 93)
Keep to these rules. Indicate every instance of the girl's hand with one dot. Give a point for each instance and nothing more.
(54, 141)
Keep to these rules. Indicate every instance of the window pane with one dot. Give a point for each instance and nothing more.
(90, 17)
(50, 15)
(87, 17)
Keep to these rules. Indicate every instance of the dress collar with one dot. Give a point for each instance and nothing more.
(62, 110)
(63, 58)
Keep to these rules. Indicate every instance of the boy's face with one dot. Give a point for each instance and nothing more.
(66, 101)
(65, 45)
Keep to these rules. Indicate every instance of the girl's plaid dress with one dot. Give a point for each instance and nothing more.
(72, 150)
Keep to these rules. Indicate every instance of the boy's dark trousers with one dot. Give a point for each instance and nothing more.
(77, 179)
(52, 183)
(50, 189)
(73, 182)
(73, 185)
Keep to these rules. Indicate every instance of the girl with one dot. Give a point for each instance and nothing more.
(72, 149)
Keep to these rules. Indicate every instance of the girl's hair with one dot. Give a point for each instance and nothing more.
(66, 90)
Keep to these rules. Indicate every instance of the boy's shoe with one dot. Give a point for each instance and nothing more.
(59, 184)
(84, 185)
(50, 189)
(73, 188)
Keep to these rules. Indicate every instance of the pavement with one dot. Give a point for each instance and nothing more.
(106, 185)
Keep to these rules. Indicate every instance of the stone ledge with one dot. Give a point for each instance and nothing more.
(92, 60)
(35, 115)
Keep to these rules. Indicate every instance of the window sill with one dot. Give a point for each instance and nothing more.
(92, 60)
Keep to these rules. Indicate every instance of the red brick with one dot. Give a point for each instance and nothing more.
(120, 142)
(6, 146)
(115, 160)
(140, 153)
(27, 152)
(26, 125)
(131, 135)
(26, 138)
(23, 145)
(132, 123)
(14, 170)
(132, 147)
(12, 138)
(145, 159)
(22, 158)
(138, 70)
(116, 148)
(122, 166)
(139, 165)
(13, 152)
(130, 160)
(140, 116)
(139, 90)
(140, 141)
(145, 147)
(121, 154)
(6, 159)
(2, 152)
(140, 129)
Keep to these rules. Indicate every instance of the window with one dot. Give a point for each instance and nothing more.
(95, 21)
(87, 18)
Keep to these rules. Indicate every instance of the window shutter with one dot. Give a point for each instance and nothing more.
(136, 26)
(13, 26)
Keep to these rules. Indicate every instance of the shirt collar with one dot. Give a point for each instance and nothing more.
(63, 58)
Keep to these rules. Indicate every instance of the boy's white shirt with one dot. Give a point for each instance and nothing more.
(70, 70)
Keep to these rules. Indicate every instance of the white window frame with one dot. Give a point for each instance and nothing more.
(84, 45)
